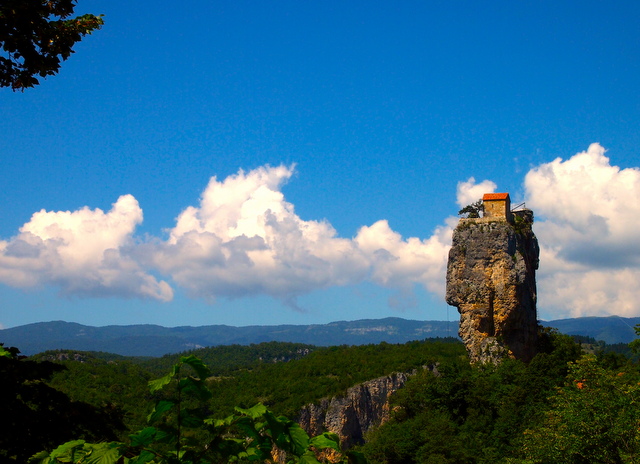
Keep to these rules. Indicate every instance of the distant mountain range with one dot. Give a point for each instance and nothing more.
(154, 340)
(612, 329)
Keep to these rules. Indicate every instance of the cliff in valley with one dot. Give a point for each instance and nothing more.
(363, 407)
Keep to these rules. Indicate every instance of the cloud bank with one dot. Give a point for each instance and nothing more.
(590, 252)
(85, 252)
(243, 238)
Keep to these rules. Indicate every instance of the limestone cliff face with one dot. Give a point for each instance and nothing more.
(364, 406)
(491, 280)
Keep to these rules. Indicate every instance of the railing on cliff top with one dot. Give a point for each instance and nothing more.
(519, 207)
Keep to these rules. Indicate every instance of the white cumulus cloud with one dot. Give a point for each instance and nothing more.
(244, 239)
(399, 263)
(590, 252)
(469, 192)
(84, 252)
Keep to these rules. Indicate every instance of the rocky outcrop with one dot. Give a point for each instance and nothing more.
(350, 416)
(65, 356)
(491, 280)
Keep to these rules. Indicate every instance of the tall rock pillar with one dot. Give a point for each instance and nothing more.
(491, 280)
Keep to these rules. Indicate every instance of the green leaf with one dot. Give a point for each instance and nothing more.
(162, 407)
(308, 458)
(254, 412)
(201, 369)
(41, 458)
(67, 450)
(279, 427)
(144, 458)
(39, 455)
(326, 440)
(195, 386)
(299, 439)
(221, 422)
(158, 384)
(143, 437)
(103, 453)
(247, 426)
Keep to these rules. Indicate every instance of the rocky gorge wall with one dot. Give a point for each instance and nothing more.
(363, 407)
(491, 280)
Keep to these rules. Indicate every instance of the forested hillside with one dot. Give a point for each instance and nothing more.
(283, 376)
(574, 403)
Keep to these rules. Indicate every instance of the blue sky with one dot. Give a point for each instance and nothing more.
(341, 138)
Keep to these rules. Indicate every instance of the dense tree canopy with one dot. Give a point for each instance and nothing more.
(35, 36)
(35, 415)
(594, 417)
(563, 407)
(181, 431)
(574, 403)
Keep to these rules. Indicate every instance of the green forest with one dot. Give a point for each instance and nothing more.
(575, 402)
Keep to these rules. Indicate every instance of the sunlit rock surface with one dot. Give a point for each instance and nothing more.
(491, 280)
(362, 408)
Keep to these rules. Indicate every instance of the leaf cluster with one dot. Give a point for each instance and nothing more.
(472, 211)
(35, 36)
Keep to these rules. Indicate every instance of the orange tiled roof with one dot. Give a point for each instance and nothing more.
(495, 196)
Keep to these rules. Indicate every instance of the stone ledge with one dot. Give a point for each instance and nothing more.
(483, 220)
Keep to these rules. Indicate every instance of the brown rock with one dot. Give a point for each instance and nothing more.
(363, 407)
(491, 280)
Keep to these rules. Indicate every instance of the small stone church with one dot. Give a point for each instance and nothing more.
(497, 205)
